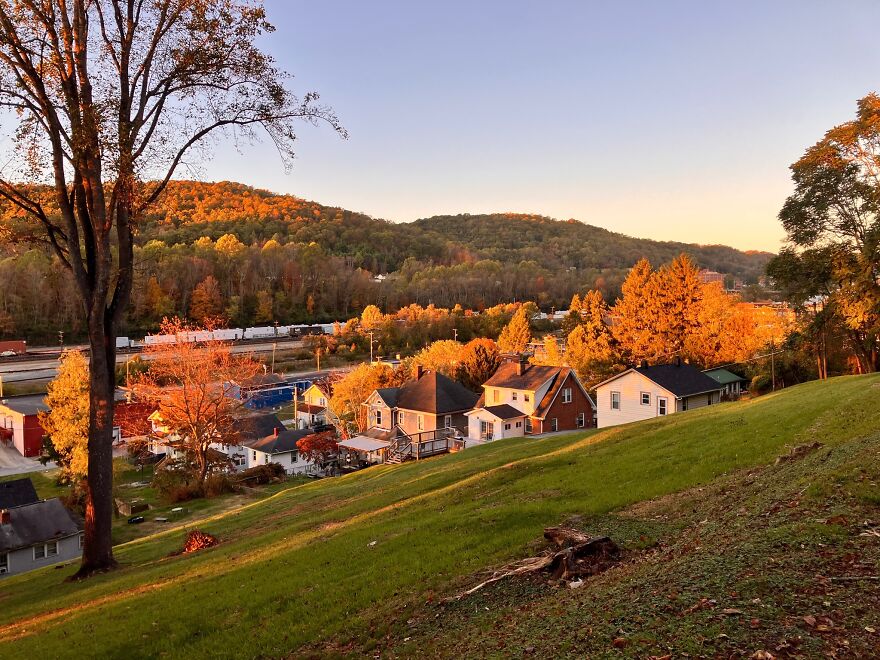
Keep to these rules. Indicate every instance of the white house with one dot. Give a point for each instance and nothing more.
(36, 535)
(496, 422)
(264, 439)
(653, 391)
(312, 410)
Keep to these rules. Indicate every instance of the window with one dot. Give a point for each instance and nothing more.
(82, 541)
(52, 549)
(378, 417)
(254, 455)
(566, 395)
(400, 418)
(39, 552)
(421, 422)
(554, 424)
(495, 396)
(646, 398)
(514, 396)
(294, 457)
(519, 425)
(486, 429)
(709, 402)
(661, 405)
(615, 401)
(447, 422)
(527, 397)
(507, 427)
(581, 420)
(322, 402)
(528, 424)
(684, 404)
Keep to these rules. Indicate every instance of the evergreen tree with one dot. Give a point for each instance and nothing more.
(573, 318)
(478, 362)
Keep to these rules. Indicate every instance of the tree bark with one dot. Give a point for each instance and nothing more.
(98, 546)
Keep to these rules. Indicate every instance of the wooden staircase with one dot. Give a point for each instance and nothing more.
(417, 446)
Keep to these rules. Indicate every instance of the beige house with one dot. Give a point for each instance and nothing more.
(645, 392)
(312, 409)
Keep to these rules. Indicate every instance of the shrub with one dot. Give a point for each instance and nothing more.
(263, 474)
(218, 484)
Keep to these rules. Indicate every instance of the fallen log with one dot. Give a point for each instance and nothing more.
(580, 555)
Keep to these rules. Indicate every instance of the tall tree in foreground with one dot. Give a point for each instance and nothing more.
(67, 422)
(189, 383)
(832, 222)
(109, 94)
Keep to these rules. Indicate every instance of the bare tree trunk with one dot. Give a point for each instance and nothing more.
(98, 546)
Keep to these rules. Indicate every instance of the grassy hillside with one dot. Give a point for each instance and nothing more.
(359, 563)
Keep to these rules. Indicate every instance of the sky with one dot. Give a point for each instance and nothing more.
(669, 120)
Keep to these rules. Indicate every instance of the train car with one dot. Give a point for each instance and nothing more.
(124, 342)
(14, 347)
(228, 334)
(160, 340)
(305, 330)
(263, 332)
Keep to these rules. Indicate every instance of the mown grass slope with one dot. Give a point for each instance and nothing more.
(343, 565)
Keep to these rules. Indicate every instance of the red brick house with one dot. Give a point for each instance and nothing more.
(547, 398)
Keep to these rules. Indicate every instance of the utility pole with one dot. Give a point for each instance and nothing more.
(455, 334)
(274, 346)
(61, 340)
(371, 347)
(773, 363)
(318, 357)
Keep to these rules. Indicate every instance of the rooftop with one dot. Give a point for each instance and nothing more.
(37, 523)
(435, 393)
(17, 492)
(29, 404)
(724, 376)
(533, 376)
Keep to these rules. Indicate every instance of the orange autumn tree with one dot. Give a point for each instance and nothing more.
(189, 383)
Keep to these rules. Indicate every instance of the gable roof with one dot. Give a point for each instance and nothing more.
(532, 377)
(503, 411)
(435, 393)
(679, 378)
(388, 395)
(17, 493)
(560, 379)
(724, 376)
(259, 432)
(37, 523)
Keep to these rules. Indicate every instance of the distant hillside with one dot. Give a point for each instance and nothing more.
(192, 209)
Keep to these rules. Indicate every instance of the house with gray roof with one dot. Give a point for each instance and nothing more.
(656, 390)
(17, 492)
(263, 438)
(36, 535)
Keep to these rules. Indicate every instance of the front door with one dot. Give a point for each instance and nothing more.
(661, 405)
(486, 430)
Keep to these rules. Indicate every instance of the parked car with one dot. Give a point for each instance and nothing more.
(7, 354)
(136, 520)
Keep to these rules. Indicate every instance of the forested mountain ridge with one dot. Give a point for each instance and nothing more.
(253, 257)
(192, 209)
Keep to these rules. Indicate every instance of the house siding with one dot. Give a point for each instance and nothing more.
(22, 560)
(698, 401)
(630, 387)
(499, 432)
(566, 414)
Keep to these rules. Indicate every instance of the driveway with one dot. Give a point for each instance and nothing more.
(11, 462)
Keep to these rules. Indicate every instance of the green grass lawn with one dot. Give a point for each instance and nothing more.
(348, 560)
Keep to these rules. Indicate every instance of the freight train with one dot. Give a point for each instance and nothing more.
(230, 334)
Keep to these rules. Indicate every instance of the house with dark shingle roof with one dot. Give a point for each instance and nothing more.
(37, 534)
(427, 403)
(646, 391)
(733, 384)
(17, 492)
(523, 399)
(263, 438)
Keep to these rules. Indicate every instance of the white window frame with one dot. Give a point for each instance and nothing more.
(507, 426)
(420, 422)
(400, 417)
(377, 417)
(519, 425)
(566, 395)
(4, 562)
(554, 424)
(581, 420)
(42, 549)
(529, 426)
(615, 399)
(447, 422)
(684, 404)
(644, 396)
(527, 397)
(514, 396)
(663, 403)
(52, 549)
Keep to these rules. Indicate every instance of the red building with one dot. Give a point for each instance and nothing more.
(19, 424)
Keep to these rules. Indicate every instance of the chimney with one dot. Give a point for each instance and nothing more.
(677, 361)
(5, 517)
(419, 371)
(277, 431)
(520, 365)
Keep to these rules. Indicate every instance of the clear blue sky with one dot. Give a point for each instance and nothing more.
(668, 120)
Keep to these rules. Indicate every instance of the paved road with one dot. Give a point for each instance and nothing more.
(11, 462)
(12, 371)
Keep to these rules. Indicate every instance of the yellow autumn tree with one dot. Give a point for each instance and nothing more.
(516, 335)
(67, 422)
